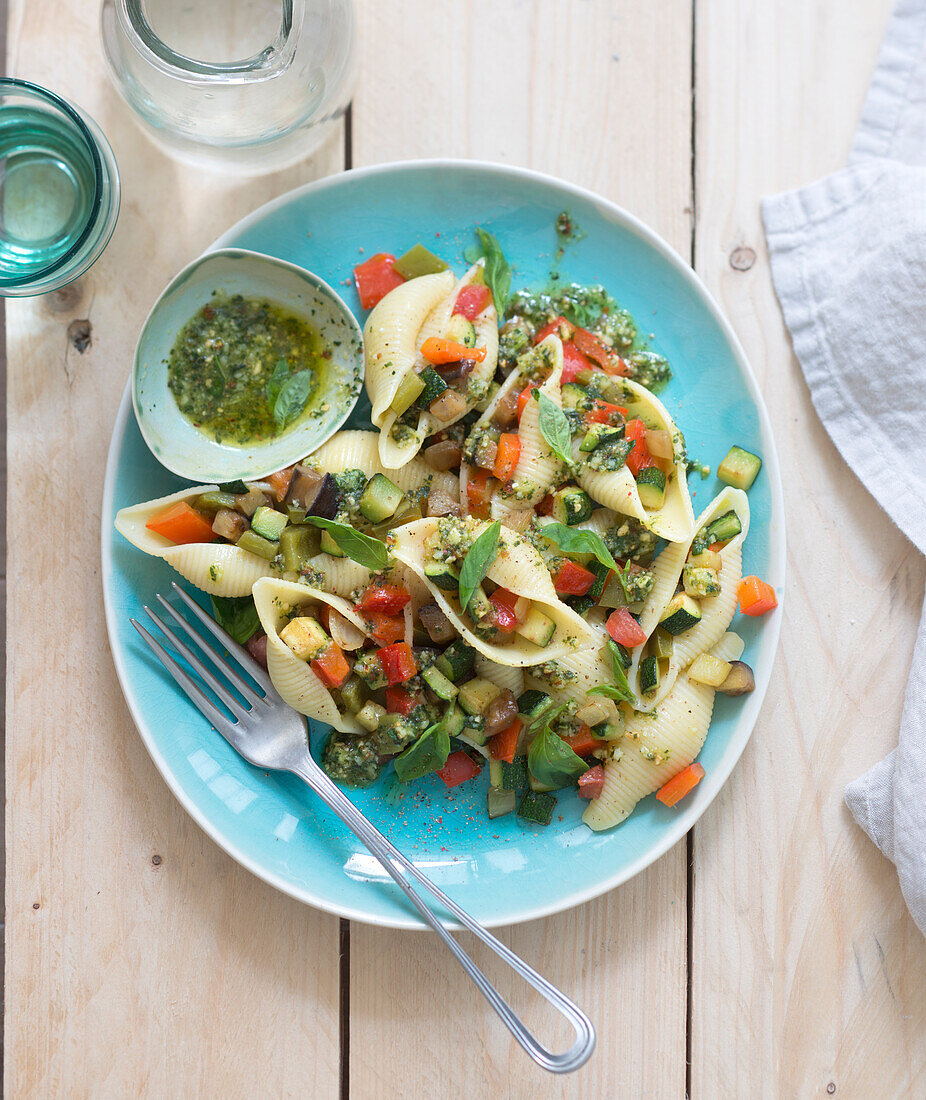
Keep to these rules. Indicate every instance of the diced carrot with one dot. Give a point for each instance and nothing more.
(563, 329)
(583, 742)
(756, 597)
(503, 745)
(507, 456)
(279, 481)
(624, 628)
(438, 351)
(524, 396)
(331, 666)
(181, 524)
(680, 785)
(384, 628)
(477, 493)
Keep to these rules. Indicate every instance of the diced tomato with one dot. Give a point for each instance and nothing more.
(324, 617)
(573, 362)
(639, 457)
(507, 456)
(680, 785)
(385, 629)
(572, 579)
(477, 496)
(375, 277)
(583, 742)
(624, 628)
(401, 701)
(438, 351)
(524, 396)
(563, 329)
(331, 666)
(458, 769)
(505, 609)
(398, 662)
(591, 783)
(387, 598)
(503, 745)
(605, 413)
(472, 300)
(589, 344)
(756, 597)
(545, 507)
(181, 524)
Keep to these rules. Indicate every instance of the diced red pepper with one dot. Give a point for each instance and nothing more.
(572, 579)
(507, 455)
(545, 507)
(563, 329)
(331, 666)
(504, 745)
(459, 768)
(504, 610)
(385, 629)
(387, 598)
(401, 701)
(181, 524)
(573, 362)
(756, 597)
(524, 396)
(477, 493)
(591, 783)
(605, 413)
(375, 277)
(398, 662)
(583, 742)
(589, 344)
(639, 457)
(624, 628)
(324, 616)
(472, 300)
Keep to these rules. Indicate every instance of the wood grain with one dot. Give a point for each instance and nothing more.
(807, 969)
(127, 975)
(600, 96)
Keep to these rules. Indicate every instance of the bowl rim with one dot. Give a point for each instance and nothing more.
(712, 783)
(299, 450)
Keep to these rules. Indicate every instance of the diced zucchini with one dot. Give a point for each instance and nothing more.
(649, 675)
(418, 261)
(235, 487)
(681, 614)
(651, 485)
(474, 736)
(601, 578)
(370, 714)
(700, 581)
(479, 605)
(537, 627)
(268, 523)
(370, 669)
(443, 575)
(709, 670)
(581, 605)
(438, 683)
(495, 772)
(395, 732)
(305, 637)
(212, 502)
(434, 387)
(661, 643)
(457, 661)
(295, 513)
(408, 392)
(610, 731)
(500, 802)
(723, 528)
(740, 468)
(453, 721)
(380, 498)
(571, 506)
(537, 807)
(354, 694)
(329, 546)
(299, 545)
(599, 434)
(573, 395)
(533, 703)
(476, 694)
(514, 774)
(462, 331)
(256, 544)
(624, 653)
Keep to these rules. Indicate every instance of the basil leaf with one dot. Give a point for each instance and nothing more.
(356, 545)
(554, 427)
(477, 561)
(573, 540)
(292, 397)
(237, 615)
(428, 754)
(276, 380)
(621, 689)
(552, 762)
(497, 272)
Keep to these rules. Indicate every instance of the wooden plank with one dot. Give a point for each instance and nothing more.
(806, 966)
(141, 960)
(600, 97)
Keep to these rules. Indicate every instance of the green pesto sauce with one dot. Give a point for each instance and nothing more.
(222, 361)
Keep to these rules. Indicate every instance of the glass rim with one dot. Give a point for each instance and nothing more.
(100, 177)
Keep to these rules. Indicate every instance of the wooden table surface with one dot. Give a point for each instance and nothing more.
(770, 954)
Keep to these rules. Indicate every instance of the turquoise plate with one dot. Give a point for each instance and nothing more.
(502, 871)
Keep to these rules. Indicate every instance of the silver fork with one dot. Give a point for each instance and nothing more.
(270, 734)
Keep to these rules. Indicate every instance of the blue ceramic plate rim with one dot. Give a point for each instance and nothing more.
(745, 722)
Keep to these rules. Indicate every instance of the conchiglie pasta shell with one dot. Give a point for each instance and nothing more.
(517, 567)
(218, 568)
(356, 450)
(294, 679)
(616, 489)
(340, 576)
(505, 676)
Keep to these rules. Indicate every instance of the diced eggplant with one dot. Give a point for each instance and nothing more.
(500, 713)
(229, 524)
(445, 455)
(739, 681)
(451, 371)
(248, 503)
(506, 411)
(448, 406)
(304, 487)
(486, 452)
(257, 647)
(327, 500)
(441, 503)
(439, 628)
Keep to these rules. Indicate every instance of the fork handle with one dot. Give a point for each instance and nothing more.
(398, 867)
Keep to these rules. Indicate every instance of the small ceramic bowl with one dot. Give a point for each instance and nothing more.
(172, 438)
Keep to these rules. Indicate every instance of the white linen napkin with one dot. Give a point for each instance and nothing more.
(848, 257)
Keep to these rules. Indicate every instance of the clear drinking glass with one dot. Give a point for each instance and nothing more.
(245, 86)
(59, 190)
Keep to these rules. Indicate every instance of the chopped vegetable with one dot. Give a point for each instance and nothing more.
(388, 598)
(740, 681)
(458, 769)
(583, 742)
(437, 351)
(477, 493)
(574, 362)
(537, 807)
(472, 300)
(624, 628)
(589, 344)
(398, 662)
(523, 397)
(385, 629)
(681, 784)
(591, 783)
(603, 412)
(510, 610)
(755, 596)
(706, 669)
(639, 458)
(572, 579)
(280, 482)
(507, 456)
(375, 277)
(400, 701)
(331, 666)
(181, 524)
(418, 261)
(504, 744)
